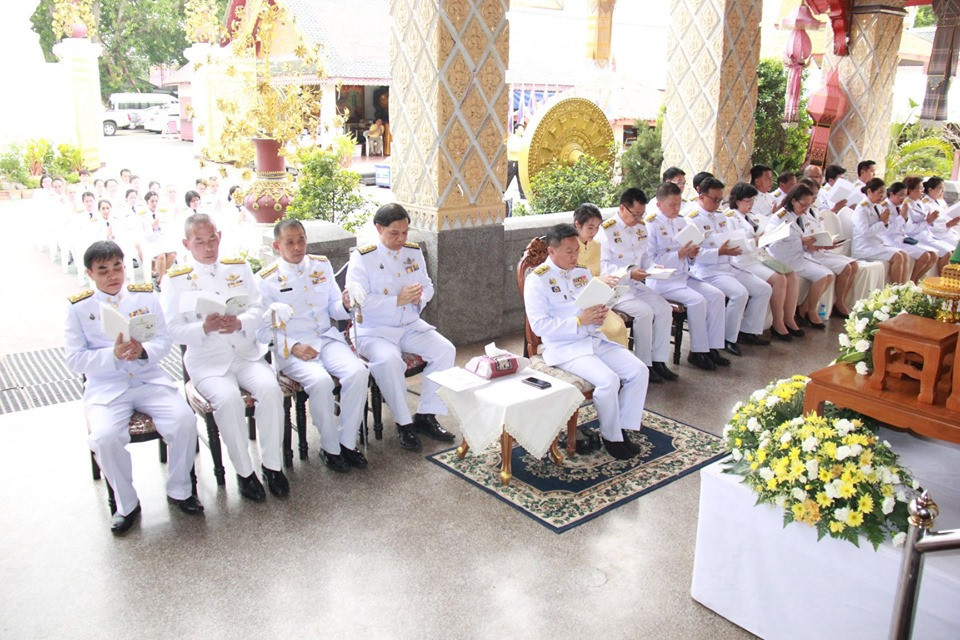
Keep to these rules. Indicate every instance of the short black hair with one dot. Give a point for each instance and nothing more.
(863, 165)
(127, 170)
(795, 194)
(87, 193)
(129, 191)
(895, 188)
(586, 212)
(109, 180)
(57, 179)
(560, 232)
(235, 187)
(190, 195)
(632, 196)
(101, 251)
(667, 189)
(194, 220)
(699, 178)
(287, 223)
(709, 183)
(833, 171)
(757, 171)
(785, 177)
(104, 201)
(673, 172)
(390, 213)
(150, 194)
(742, 191)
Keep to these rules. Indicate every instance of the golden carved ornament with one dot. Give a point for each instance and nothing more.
(564, 132)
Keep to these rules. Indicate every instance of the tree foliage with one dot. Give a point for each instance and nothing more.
(781, 148)
(328, 191)
(641, 162)
(925, 18)
(564, 188)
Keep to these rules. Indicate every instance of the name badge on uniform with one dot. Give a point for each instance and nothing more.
(555, 289)
(286, 289)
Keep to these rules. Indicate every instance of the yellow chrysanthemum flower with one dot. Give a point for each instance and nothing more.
(837, 527)
(865, 504)
(847, 490)
(855, 519)
(823, 499)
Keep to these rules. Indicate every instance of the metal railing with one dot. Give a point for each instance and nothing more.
(920, 541)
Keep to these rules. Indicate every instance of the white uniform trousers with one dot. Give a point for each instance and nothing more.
(110, 435)
(229, 412)
(618, 407)
(705, 316)
(652, 324)
(335, 359)
(748, 298)
(387, 368)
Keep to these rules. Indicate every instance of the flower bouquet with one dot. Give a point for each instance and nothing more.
(856, 345)
(831, 473)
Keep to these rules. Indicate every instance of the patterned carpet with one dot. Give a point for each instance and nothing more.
(588, 486)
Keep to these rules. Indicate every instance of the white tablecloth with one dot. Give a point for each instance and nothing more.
(532, 416)
(780, 582)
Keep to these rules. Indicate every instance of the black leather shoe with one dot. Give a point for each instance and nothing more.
(752, 338)
(663, 372)
(426, 423)
(654, 377)
(718, 359)
(796, 333)
(731, 347)
(408, 437)
(819, 326)
(250, 488)
(276, 482)
(335, 461)
(630, 444)
(353, 457)
(121, 524)
(786, 337)
(701, 361)
(618, 450)
(190, 506)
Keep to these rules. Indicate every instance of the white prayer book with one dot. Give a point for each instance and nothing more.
(776, 234)
(457, 379)
(204, 304)
(842, 189)
(659, 273)
(736, 239)
(823, 239)
(598, 292)
(953, 211)
(140, 328)
(690, 233)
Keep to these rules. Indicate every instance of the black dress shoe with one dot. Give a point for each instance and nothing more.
(618, 450)
(663, 372)
(631, 445)
(353, 457)
(654, 377)
(819, 326)
(731, 347)
(408, 437)
(426, 423)
(752, 338)
(121, 524)
(250, 488)
(190, 506)
(718, 359)
(276, 482)
(701, 361)
(786, 337)
(796, 333)
(335, 461)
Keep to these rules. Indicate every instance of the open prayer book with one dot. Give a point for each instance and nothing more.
(659, 273)
(842, 189)
(140, 328)
(690, 233)
(204, 304)
(736, 239)
(598, 292)
(776, 234)
(823, 239)
(953, 211)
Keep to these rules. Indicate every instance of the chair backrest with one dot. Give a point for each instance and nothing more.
(533, 256)
(846, 222)
(834, 227)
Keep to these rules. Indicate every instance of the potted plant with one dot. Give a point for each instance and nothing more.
(37, 155)
(328, 191)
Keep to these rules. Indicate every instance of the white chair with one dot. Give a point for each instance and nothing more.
(870, 275)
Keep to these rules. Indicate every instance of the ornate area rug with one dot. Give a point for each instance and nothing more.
(587, 486)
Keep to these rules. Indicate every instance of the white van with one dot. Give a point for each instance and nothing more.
(125, 109)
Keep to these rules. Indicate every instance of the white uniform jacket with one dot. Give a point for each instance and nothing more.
(89, 351)
(549, 295)
(709, 262)
(663, 250)
(623, 246)
(868, 229)
(210, 355)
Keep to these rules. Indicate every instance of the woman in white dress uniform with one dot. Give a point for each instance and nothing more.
(943, 227)
(843, 267)
(783, 302)
(870, 223)
(898, 233)
(797, 251)
(921, 221)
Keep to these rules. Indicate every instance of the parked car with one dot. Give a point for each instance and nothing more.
(160, 118)
(126, 110)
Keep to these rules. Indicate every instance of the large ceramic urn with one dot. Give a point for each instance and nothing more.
(270, 194)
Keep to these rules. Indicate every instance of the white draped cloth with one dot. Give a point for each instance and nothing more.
(532, 416)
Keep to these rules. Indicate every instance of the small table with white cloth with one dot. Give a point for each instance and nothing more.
(509, 409)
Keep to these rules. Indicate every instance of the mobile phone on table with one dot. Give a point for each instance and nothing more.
(536, 382)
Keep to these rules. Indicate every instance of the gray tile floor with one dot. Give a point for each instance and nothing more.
(403, 549)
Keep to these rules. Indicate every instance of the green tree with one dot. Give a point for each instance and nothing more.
(564, 188)
(781, 148)
(925, 18)
(641, 162)
(328, 191)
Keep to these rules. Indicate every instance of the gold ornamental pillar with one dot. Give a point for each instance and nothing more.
(712, 55)
(80, 59)
(867, 75)
(448, 112)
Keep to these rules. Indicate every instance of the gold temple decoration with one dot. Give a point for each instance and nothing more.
(564, 132)
(945, 288)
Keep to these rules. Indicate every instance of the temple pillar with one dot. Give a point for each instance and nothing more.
(448, 109)
(79, 58)
(218, 75)
(713, 50)
(866, 75)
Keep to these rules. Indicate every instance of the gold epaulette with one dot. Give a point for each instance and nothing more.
(865, 203)
(781, 213)
(926, 199)
(650, 218)
(581, 266)
(140, 288)
(693, 214)
(173, 272)
(542, 269)
(83, 295)
(778, 193)
(609, 223)
(264, 273)
(411, 245)
(730, 213)
(318, 258)
(367, 249)
(232, 261)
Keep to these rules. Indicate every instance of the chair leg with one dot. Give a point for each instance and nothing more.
(163, 451)
(677, 339)
(213, 441)
(376, 408)
(287, 429)
(302, 423)
(95, 466)
(572, 434)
